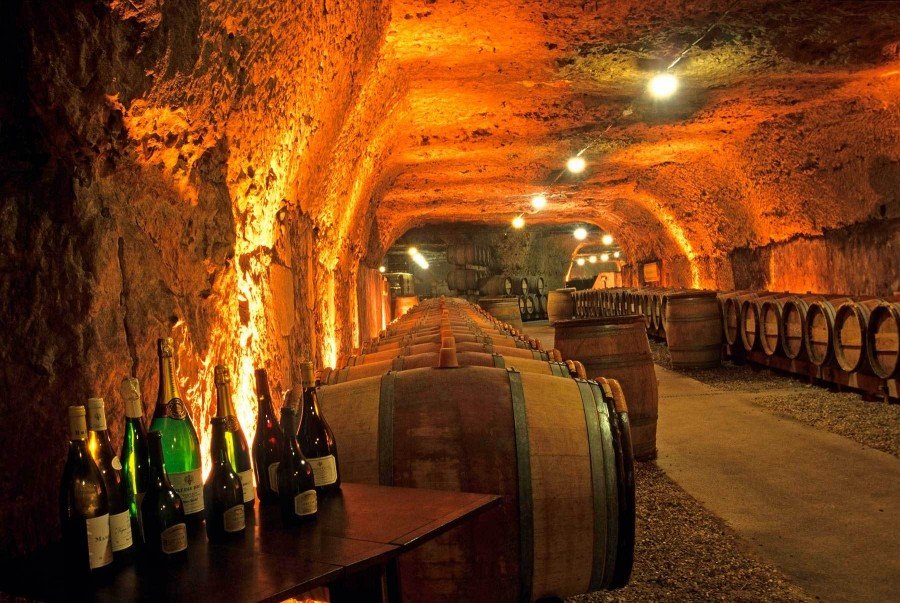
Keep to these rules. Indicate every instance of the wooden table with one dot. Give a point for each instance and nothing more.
(352, 547)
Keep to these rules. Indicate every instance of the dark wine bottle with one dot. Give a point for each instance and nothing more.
(110, 467)
(236, 444)
(135, 454)
(296, 484)
(267, 442)
(316, 438)
(162, 510)
(181, 448)
(223, 493)
(83, 506)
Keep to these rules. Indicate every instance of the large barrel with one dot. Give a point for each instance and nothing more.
(560, 305)
(462, 279)
(550, 447)
(531, 309)
(517, 282)
(793, 325)
(495, 285)
(850, 324)
(731, 315)
(533, 285)
(770, 324)
(820, 330)
(883, 340)
(402, 304)
(693, 329)
(467, 253)
(750, 330)
(505, 309)
(617, 348)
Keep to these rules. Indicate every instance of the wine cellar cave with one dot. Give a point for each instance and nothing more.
(450, 300)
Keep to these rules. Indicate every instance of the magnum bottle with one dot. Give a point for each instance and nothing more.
(162, 511)
(296, 484)
(235, 442)
(135, 454)
(181, 448)
(316, 438)
(83, 505)
(110, 468)
(223, 493)
(267, 443)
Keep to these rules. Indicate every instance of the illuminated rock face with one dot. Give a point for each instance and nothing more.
(217, 170)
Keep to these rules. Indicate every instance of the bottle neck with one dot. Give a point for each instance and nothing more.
(224, 403)
(157, 465)
(218, 447)
(311, 400)
(168, 388)
(263, 395)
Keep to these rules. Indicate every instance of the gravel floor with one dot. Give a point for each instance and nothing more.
(873, 424)
(685, 553)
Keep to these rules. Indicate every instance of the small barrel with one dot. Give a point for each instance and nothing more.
(883, 340)
(495, 285)
(560, 305)
(617, 347)
(517, 285)
(820, 330)
(462, 279)
(750, 319)
(531, 306)
(793, 325)
(693, 329)
(504, 308)
(731, 314)
(850, 324)
(403, 304)
(771, 333)
(534, 285)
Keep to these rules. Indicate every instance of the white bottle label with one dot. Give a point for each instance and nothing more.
(247, 485)
(306, 503)
(99, 546)
(120, 531)
(273, 477)
(234, 519)
(189, 486)
(174, 539)
(324, 470)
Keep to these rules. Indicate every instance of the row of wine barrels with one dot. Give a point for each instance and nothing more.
(469, 253)
(557, 449)
(560, 305)
(463, 279)
(499, 285)
(533, 285)
(532, 307)
(402, 304)
(692, 329)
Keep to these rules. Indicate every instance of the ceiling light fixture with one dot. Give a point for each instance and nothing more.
(382, 269)
(539, 202)
(580, 234)
(576, 164)
(663, 86)
(604, 257)
(607, 239)
(580, 261)
(592, 259)
(518, 222)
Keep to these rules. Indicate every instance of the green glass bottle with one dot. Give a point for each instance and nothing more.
(267, 443)
(135, 454)
(110, 467)
(83, 506)
(165, 530)
(296, 484)
(236, 443)
(181, 448)
(223, 493)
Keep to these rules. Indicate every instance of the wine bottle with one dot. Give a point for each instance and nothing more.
(236, 443)
(267, 442)
(316, 438)
(135, 454)
(110, 467)
(296, 484)
(83, 506)
(162, 510)
(181, 448)
(223, 492)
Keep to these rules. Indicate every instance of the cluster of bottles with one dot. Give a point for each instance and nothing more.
(155, 494)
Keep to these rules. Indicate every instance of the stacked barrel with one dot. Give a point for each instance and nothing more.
(451, 397)
(469, 266)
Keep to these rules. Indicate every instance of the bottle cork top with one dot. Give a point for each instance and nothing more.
(221, 375)
(307, 373)
(165, 347)
(77, 422)
(131, 393)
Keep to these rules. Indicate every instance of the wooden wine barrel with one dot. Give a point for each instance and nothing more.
(560, 305)
(550, 447)
(403, 304)
(524, 285)
(462, 279)
(616, 347)
(465, 346)
(750, 318)
(523, 307)
(694, 332)
(850, 324)
(464, 253)
(531, 306)
(505, 309)
(820, 330)
(461, 337)
(883, 340)
(517, 285)
(495, 285)
(793, 325)
(771, 333)
(534, 285)
(731, 315)
(541, 305)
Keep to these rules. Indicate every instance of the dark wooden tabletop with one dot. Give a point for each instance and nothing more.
(360, 527)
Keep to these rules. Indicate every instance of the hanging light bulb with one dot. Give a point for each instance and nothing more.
(607, 239)
(580, 234)
(539, 202)
(663, 85)
(518, 222)
(604, 257)
(412, 251)
(576, 164)
(616, 254)
(592, 259)
(580, 261)
(382, 269)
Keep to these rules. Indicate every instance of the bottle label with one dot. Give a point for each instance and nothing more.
(324, 470)
(175, 409)
(306, 503)
(273, 477)
(99, 546)
(247, 485)
(234, 519)
(120, 531)
(189, 486)
(174, 539)
(97, 417)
